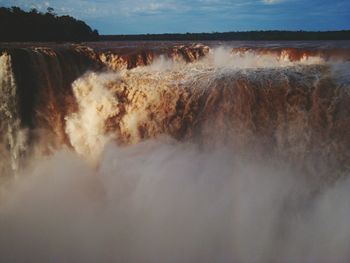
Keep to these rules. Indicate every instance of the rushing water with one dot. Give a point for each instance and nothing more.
(175, 152)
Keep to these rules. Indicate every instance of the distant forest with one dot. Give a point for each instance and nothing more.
(19, 25)
(249, 35)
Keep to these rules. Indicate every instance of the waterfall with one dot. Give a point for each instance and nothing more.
(13, 137)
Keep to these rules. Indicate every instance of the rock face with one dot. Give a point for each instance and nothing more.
(287, 102)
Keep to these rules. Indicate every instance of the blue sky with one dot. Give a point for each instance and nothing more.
(171, 16)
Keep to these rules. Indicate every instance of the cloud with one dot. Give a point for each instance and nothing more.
(272, 2)
(150, 7)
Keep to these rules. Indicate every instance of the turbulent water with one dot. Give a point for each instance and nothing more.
(175, 152)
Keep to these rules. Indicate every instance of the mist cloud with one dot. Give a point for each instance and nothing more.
(164, 201)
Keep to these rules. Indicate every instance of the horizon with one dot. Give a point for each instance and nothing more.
(224, 32)
(136, 17)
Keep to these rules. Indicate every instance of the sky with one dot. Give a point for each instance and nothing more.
(181, 16)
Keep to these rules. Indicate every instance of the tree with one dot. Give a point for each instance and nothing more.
(34, 11)
(51, 11)
(18, 25)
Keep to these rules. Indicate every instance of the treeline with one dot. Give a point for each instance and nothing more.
(19, 25)
(249, 35)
